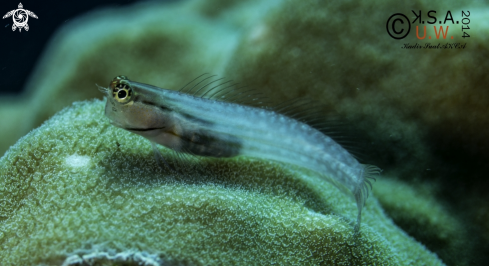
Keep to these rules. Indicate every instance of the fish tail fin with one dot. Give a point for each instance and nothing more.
(369, 174)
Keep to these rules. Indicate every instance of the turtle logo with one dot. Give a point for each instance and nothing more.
(20, 17)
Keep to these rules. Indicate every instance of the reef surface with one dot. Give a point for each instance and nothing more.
(78, 188)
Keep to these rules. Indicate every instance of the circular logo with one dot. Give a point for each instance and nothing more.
(20, 17)
(398, 26)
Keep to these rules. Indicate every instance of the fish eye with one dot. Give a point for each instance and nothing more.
(121, 90)
(122, 93)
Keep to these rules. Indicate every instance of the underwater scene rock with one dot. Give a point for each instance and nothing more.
(423, 114)
(79, 190)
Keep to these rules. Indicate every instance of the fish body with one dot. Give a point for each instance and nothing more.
(206, 127)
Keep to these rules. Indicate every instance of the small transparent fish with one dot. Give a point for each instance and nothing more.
(203, 126)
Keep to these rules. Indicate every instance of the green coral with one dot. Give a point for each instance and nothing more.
(78, 186)
(416, 209)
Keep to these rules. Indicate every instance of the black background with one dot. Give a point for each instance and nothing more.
(20, 51)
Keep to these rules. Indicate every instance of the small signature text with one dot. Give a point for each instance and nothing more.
(456, 45)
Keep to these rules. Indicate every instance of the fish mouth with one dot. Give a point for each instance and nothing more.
(135, 128)
(143, 129)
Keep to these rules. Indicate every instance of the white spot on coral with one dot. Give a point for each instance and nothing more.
(76, 160)
(316, 214)
(258, 33)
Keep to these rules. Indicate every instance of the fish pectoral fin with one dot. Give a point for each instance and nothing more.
(160, 160)
(181, 162)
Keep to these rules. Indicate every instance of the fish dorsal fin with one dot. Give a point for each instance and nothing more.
(306, 110)
(303, 109)
(212, 87)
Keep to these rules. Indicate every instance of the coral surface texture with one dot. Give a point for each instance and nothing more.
(79, 190)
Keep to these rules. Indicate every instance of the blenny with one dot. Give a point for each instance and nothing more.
(204, 126)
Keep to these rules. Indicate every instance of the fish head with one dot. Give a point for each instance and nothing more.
(127, 108)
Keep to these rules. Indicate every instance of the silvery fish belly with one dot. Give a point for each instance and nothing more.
(203, 126)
